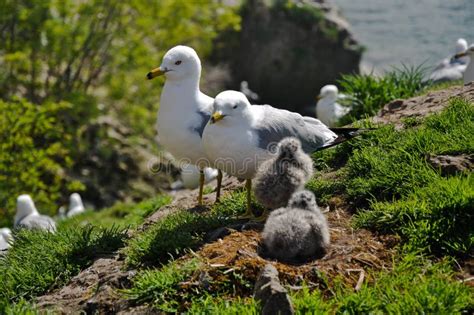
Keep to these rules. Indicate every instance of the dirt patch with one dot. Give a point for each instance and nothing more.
(92, 291)
(421, 106)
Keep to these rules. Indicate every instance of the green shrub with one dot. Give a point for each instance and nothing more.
(370, 93)
(33, 155)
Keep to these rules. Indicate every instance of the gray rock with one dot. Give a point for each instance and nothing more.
(451, 165)
(287, 53)
(271, 294)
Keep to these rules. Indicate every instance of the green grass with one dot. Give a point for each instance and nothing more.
(386, 173)
(122, 214)
(215, 305)
(181, 230)
(161, 287)
(180, 285)
(371, 93)
(39, 261)
(415, 286)
(437, 217)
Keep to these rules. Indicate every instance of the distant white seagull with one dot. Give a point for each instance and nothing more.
(75, 205)
(190, 177)
(328, 110)
(251, 95)
(240, 136)
(469, 73)
(452, 68)
(184, 109)
(28, 217)
(5, 239)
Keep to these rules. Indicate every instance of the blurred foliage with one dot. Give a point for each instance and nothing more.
(33, 153)
(65, 62)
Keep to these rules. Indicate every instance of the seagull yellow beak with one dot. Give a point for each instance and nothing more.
(216, 116)
(155, 73)
(460, 55)
(319, 97)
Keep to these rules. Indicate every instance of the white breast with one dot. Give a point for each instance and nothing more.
(176, 117)
(233, 148)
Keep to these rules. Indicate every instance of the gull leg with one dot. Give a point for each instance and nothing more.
(248, 213)
(219, 184)
(201, 186)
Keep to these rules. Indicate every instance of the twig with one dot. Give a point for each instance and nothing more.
(360, 281)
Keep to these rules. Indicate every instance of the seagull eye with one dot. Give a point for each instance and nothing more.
(234, 107)
(178, 62)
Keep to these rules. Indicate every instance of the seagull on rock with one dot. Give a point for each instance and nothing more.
(184, 110)
(469, 73)
(29, 218)
(240, 136)
(452, 68)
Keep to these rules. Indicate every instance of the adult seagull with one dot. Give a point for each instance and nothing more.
(469, 73)
(184, 110)
(240, 136)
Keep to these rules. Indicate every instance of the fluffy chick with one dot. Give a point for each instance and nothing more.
(278, 178)
(298, 232)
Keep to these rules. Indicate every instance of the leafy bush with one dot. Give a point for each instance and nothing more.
(370, 93)
(39, 260)
(33, 155)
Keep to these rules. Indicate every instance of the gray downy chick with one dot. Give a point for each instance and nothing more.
(298, 232)
(278, 178)
(29, 218)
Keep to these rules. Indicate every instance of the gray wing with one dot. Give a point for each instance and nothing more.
(278, 124)
(204, 117)
(451, 72)
(41, 222)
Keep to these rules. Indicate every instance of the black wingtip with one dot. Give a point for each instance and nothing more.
(344, 134)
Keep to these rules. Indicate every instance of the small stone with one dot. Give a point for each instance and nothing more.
(271, 294)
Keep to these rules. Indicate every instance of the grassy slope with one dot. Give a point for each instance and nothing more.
(53, 259)
(383, 194)
(384, 197)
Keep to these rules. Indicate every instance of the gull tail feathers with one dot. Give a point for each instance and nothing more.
(344, 134)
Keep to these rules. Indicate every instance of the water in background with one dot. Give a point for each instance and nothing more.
(408, 31)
